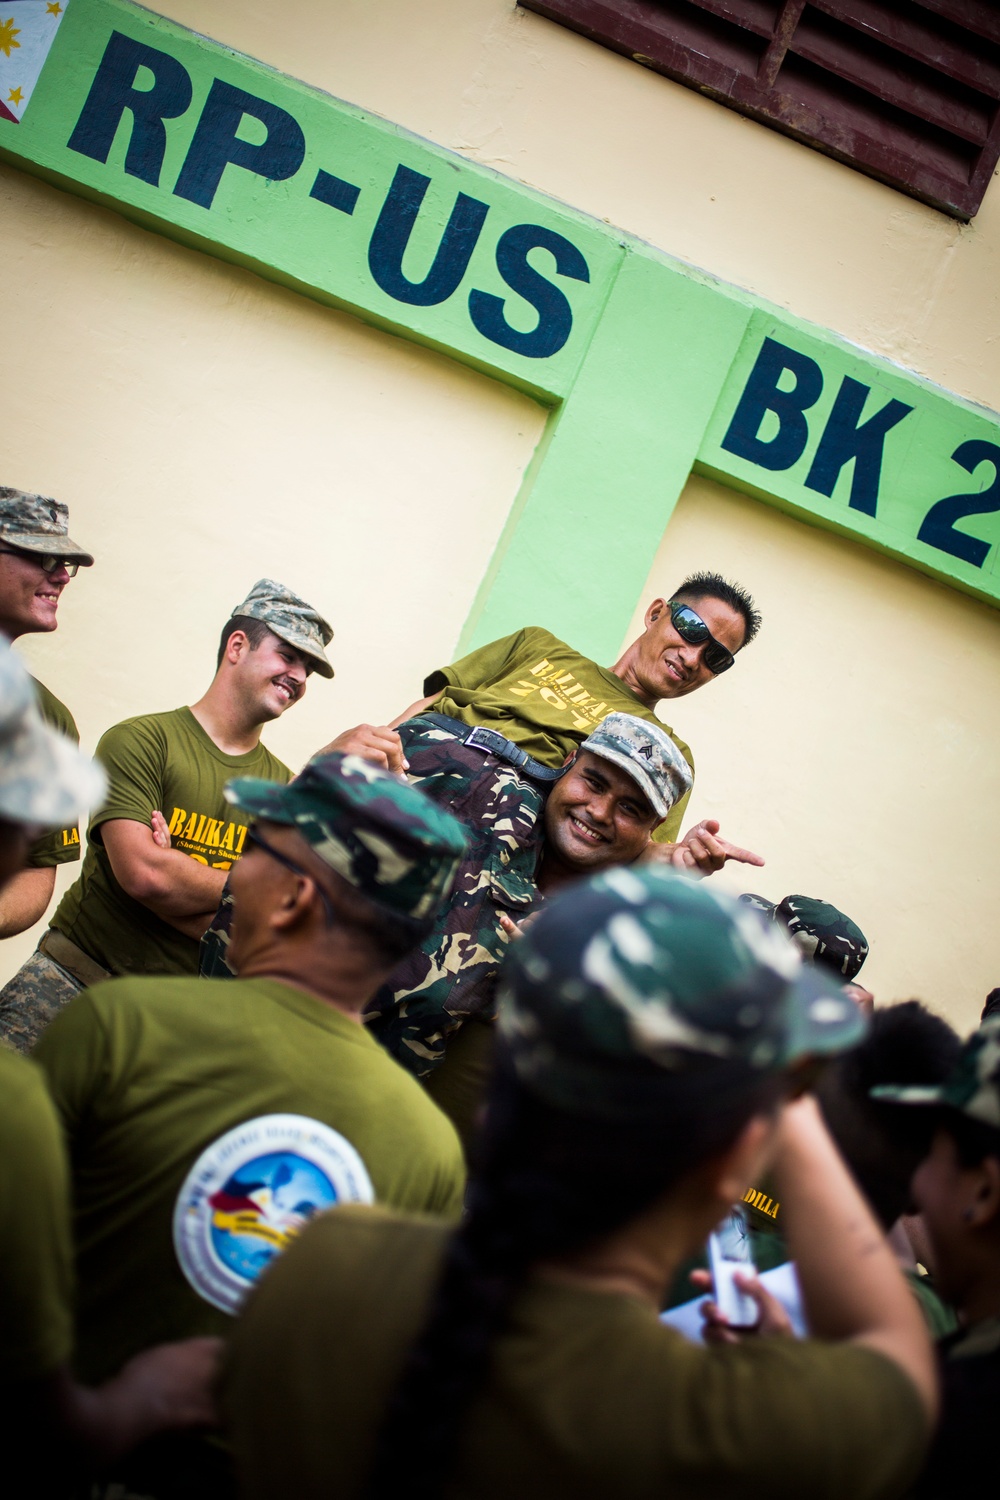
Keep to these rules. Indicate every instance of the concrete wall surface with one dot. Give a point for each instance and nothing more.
(207, 427)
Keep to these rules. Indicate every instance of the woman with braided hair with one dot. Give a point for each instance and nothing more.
(654, 1034)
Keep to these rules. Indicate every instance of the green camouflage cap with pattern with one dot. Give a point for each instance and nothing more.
(647, 753)
(291, 618)
(825, 934)
(973, 1087)
(382, 835)
(639, 975)
(36, 523)
(44, 778)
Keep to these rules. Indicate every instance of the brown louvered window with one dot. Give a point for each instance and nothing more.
(905, 90)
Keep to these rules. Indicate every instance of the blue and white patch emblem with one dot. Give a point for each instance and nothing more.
(250, 1192)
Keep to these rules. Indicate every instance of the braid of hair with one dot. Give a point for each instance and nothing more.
(531, 1197)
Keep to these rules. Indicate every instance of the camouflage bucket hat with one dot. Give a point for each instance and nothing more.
(824, 934)
(647, 753)
(973, 1088)
(44, 778)
(34, 523)
(382, 835)
(291, 618)
(640, 976)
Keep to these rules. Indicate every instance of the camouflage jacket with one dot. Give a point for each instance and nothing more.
(452, 975)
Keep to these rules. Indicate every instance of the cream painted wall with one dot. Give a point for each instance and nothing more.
(207, 428)
(550, 108)
(853, 745)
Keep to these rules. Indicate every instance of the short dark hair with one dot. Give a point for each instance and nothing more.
(714, 586)
(883, 1143)
(254, 630)
(974, 1139)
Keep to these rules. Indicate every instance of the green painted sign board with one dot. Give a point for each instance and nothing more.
(651, 369)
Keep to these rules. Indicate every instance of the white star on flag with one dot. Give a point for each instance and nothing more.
(27, 31)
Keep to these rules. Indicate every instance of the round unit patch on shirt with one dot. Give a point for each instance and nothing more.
(249, 1194)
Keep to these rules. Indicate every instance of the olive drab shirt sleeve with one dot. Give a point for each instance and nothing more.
(35, 1248)
(61, 846)
(134, 756)
(482, 666)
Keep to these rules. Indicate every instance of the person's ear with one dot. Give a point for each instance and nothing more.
(984, 1208)
(295, 902)
(236, 647)
(654, 611)
(570, 758)
(742, 1163)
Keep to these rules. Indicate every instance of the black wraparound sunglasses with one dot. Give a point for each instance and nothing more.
(253, 837)
(692, 628)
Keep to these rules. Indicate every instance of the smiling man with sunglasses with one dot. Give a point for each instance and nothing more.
(37, 561)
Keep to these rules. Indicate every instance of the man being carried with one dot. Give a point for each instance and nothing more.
(207, 1122)
(531, 700)
(37, 561)
(140, 908)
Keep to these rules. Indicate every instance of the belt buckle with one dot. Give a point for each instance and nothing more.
(490, 741)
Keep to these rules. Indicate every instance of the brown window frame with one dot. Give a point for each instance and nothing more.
(894, 88)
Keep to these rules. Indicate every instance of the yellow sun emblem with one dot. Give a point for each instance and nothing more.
(8, 31)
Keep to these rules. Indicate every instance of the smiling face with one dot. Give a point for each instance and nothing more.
(596, 816)
(271, 676)
(664, 665)
(29, 597)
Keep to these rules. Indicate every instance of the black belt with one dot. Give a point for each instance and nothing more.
(492, 743)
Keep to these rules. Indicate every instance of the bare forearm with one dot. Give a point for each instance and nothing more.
(189, 890)
(421, 705)
(851, 1285)
(24, 900)
(171, 884)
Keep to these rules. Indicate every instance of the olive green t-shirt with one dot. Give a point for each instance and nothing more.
(61, 845)
(164, 762)
(35, 1255)
(546, 697)
(588, 1394)
(149, 1074)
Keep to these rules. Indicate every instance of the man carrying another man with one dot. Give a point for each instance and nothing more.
(139, 907)
(436, 1012)
(37, 560)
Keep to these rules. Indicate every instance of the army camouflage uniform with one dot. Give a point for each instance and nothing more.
(452, 975)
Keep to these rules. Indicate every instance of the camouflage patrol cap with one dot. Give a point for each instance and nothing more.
(972, 1088)
(640, 975)
(35, 523)
(647, 753)
(825, 935)
(382, 835)
(44, 778)
(291, 618)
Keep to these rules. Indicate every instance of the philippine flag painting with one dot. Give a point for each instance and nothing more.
(27, 31)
